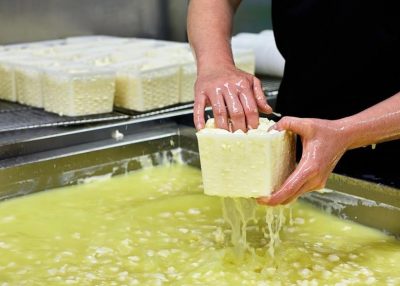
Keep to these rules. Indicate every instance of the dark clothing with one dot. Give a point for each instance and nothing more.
(342, 56)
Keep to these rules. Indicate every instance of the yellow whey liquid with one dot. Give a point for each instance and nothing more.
(156, 227)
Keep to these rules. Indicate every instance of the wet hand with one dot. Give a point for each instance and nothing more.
(324, 142)
(235, 96)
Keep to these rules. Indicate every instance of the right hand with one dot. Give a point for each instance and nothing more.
(324, 143)
(235, 97)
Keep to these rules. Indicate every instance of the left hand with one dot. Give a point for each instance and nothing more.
(324, 142)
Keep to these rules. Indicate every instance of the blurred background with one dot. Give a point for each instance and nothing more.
(35, 20)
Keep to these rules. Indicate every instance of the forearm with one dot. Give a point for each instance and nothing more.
(209, 32)
(376, 124)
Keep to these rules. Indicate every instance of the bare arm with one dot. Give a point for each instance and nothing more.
(325, 141)
(235, 96)
(376, 124)
(209, 31)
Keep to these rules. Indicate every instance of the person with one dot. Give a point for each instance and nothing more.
(340, 89)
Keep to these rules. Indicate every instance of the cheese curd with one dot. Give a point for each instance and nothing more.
(239, 164)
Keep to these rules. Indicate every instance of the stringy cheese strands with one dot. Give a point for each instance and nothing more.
(238, 213)
(275, 219)
(247, 165)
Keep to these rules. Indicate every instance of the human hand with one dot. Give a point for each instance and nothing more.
(235, 96)
(324, 142)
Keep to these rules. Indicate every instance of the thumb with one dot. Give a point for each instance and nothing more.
(295, 124)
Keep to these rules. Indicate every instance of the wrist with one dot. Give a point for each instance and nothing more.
(211, 65)
(350, 132)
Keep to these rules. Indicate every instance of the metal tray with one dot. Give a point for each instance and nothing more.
(22, 125)
(56, 161)
(14, 116)
(163, 110)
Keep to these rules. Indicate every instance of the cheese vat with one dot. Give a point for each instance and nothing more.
(94, 152)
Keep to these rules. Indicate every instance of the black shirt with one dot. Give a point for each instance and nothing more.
(341, 57)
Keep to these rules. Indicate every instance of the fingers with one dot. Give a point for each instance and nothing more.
(198, 110)
(288, 190)
(260, 97)
(219, 110)
(235, 109)
(250, 108)
(235, 103)
(301, 180)
(297, 125)
(307, 187)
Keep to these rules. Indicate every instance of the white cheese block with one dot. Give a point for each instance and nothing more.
(245, 60)
(168, 49)
(8, 61)
(7, 82)
(96, 40)
(188, 75)
(182, 55)
(239, 164)
(28, 87)
(147, 85)
(33, 46)
(28, 81)
(78, 91)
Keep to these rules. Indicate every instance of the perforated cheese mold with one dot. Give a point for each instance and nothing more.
(239, 164)
(145, 86)
(7, 82)
(77, 92)
(245, 60)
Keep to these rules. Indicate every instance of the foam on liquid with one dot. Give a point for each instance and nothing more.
(156, 227)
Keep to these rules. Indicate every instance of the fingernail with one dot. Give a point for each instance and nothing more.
(273, 127)
(263, 200)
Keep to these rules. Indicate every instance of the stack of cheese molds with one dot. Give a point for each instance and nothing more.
(90, 74)
(78, 90)
(248, 165)
(149, 85)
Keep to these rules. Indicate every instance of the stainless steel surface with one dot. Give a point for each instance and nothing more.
(270, 87)
(34, 20)
(167, 109)
(367, 203)
(18, 117)
(66, 166)
(62, 133)
(14, 116)
(270, 84)
(11, 149)
(162, 138)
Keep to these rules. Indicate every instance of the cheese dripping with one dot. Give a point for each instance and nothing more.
(239, 212)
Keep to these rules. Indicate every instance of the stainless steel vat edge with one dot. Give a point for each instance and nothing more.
(173, 140)
(71, 137)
